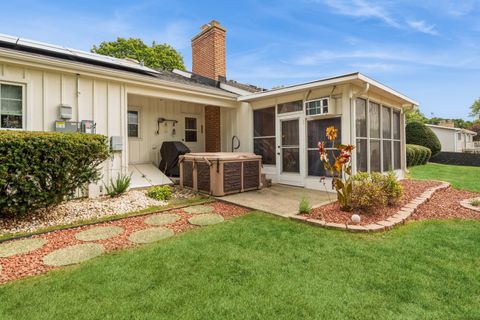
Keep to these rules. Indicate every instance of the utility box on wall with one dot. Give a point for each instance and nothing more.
(116, 143)
(87, 126)
(66, 126)
(65, 112)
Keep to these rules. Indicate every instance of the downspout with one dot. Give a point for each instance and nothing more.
(353, 132)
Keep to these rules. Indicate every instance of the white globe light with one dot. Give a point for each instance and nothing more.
(355, 218)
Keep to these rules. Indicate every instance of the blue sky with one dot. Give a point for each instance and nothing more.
(428, 50)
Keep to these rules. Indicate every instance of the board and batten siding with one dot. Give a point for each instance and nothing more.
(91, 99)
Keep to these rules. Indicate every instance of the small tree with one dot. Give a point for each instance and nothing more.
(418, 133)
(156, 56)
(475, 109)
(341, 169)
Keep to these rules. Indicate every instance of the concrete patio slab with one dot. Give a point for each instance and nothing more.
(279, 199)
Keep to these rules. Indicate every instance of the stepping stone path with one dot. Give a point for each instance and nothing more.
(73, 254)
(150, 235)
(205, 219)
(198, 209)
(161, 219)
(99, 233)
(20, 246)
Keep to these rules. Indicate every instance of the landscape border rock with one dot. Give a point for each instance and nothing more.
(400, 217)
(466, 204)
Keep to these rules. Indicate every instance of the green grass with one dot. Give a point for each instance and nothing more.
(461, 177)
(264, 267)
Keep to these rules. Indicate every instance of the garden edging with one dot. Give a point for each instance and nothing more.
(399, 217)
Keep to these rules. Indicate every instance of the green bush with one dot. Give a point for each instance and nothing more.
(417, 155)
(304, 206)
(160, 192)
(41, 169)
(367, 194)
(119, 185)
(375, 190)
(419, 134)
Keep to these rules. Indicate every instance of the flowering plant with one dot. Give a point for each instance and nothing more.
(341, 168)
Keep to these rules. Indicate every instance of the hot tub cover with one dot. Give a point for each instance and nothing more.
(220, 156)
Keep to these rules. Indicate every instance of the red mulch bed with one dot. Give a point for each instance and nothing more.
(445, 204)
(411, 189)
(28, 264)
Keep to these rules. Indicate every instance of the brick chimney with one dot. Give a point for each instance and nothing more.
(208, 60)
(446, 123)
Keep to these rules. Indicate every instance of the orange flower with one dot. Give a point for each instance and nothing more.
(331, 133)
(346, 147)
(336, 166)
(321, 147)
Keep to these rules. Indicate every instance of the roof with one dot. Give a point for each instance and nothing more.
(245, 86)
(128, 65)
(344, 78)
(450, 128)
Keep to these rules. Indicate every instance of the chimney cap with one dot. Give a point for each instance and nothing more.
(208, 26)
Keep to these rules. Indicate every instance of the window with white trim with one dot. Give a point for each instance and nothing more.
(378, 134)
(317, 106)
(11, 106)
(133, 124)
(190, 129)
(316, 132)
(264, 134)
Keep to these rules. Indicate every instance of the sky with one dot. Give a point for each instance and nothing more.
(428, 50)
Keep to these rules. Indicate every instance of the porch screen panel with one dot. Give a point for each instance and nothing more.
(361, 132)
(264, 134)
(316, 133)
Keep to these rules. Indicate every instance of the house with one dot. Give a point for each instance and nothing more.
(139, 108)
(453, 139)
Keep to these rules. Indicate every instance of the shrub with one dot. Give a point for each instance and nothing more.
(419, 134)
(367, 194)
(160, 192)
(417, 155)
(392, 187)
(41, 169)
(119, 185)
(304, 206)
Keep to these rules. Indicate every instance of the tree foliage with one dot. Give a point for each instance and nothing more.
(475, 109)
(476, 128)
(415, 116)
(156, 56)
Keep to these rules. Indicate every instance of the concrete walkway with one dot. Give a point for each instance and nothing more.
(279, 199)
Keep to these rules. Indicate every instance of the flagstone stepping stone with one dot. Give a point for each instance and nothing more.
(99, 233)
(161, 219)
(206, 219)
(198, 209)
(150, 235)
(73, 254)
(20, 246)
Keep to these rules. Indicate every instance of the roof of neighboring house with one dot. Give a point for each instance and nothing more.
(129, 65)
(344, 78)
(453, 129)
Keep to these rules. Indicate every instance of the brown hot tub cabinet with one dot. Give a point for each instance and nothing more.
(220, 173)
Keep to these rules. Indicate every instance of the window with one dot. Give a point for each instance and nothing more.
(133, 123)
(191, 129)
(319, 106)
(11, 106)
(292, 106)
(316, 132)
(264, 134)
(378, 137)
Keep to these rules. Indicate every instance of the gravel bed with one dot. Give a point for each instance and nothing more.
(445, 204)
(31, 263)
(72, 211)
(332, 213)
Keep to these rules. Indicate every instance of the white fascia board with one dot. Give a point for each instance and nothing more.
(298, 87)
(387, 89)
(44, 62)
(185, 74)
(233, 89)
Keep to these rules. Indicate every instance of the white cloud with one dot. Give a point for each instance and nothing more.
(362, 9)
(422, 26)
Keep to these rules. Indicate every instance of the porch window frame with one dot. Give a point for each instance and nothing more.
(267, 137)
(23, 100)
(191, 130)
(139, 121)
(305, 106)
(381, 139)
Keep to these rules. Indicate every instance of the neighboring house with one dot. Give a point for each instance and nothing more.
(453, 139)
(140, 108)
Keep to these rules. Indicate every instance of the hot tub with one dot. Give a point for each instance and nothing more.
(220, 173)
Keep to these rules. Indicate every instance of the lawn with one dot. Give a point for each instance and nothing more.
(264, 267)
(461, 177)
